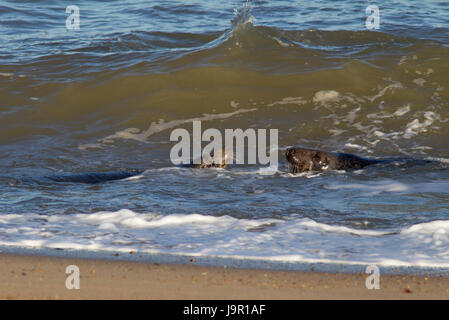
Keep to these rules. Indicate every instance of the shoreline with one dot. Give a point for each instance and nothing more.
(44, 277)
(229, 262)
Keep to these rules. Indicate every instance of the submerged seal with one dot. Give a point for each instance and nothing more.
(304, 160)
(98, 177)
(212, 161)
(94, 177)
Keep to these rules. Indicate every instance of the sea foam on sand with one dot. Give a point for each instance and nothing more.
(293, 240)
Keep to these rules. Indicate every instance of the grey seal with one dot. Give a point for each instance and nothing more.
(94, 177)
(211, 162)
(304, 160)
(99, 177)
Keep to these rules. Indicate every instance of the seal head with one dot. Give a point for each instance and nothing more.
(213, 160)
(304, 160)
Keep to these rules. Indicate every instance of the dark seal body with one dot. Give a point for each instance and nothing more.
(304, 160)
(99, 177)
(94, 177)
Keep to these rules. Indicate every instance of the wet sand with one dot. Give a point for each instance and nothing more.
(35, 277)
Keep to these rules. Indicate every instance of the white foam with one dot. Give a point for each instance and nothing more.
(442, 160)
(415, 127)
(437, 229)
(391, 87)
(300, 240)
(325, 96)
(307, 174)
(269, 170)
(289, 100)
(321, 227)
(355, 146)
(292, 240)
(420, 82)
(134, 178)
(156, 127)
(372, 188)
(402, 111)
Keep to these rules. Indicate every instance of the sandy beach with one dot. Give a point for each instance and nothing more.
(36, 277)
